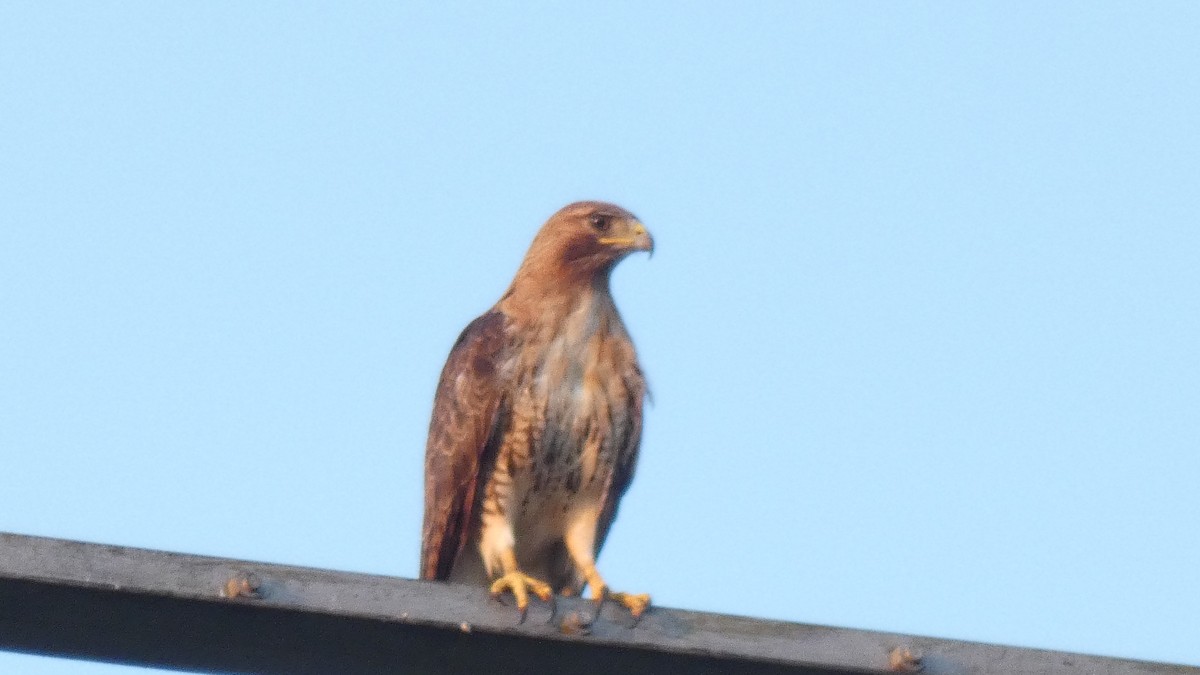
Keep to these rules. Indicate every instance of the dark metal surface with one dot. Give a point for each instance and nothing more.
(160, 609)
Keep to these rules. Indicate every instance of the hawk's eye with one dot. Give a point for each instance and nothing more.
(600, 223)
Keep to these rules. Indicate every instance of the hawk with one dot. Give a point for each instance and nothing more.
(537, 421)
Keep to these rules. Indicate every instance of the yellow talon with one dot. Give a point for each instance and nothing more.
(520, 585)
(635, 603)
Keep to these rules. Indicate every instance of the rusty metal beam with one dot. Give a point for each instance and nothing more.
(152, 608)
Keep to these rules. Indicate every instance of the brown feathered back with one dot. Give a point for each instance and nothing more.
(465, 412)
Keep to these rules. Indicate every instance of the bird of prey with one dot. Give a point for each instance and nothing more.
(537, 421)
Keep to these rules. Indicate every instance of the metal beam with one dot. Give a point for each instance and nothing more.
(111, 603)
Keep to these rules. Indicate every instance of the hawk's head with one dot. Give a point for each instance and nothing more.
(586, 239)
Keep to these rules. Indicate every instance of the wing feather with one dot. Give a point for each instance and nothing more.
(631, 432)
(465, 413)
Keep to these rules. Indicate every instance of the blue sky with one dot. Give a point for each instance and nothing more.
(921, 327)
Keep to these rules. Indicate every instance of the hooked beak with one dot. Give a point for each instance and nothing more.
(639, 240)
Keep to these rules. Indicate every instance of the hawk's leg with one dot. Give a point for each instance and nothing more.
(581, 543)
(519, 584)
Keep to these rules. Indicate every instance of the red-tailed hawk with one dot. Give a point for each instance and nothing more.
(537, 421)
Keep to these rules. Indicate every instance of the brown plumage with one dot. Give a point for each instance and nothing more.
(537, 419)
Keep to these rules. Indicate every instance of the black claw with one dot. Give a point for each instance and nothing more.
(553, 609)
(637, 618)
(522, 611)
(598, 604)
